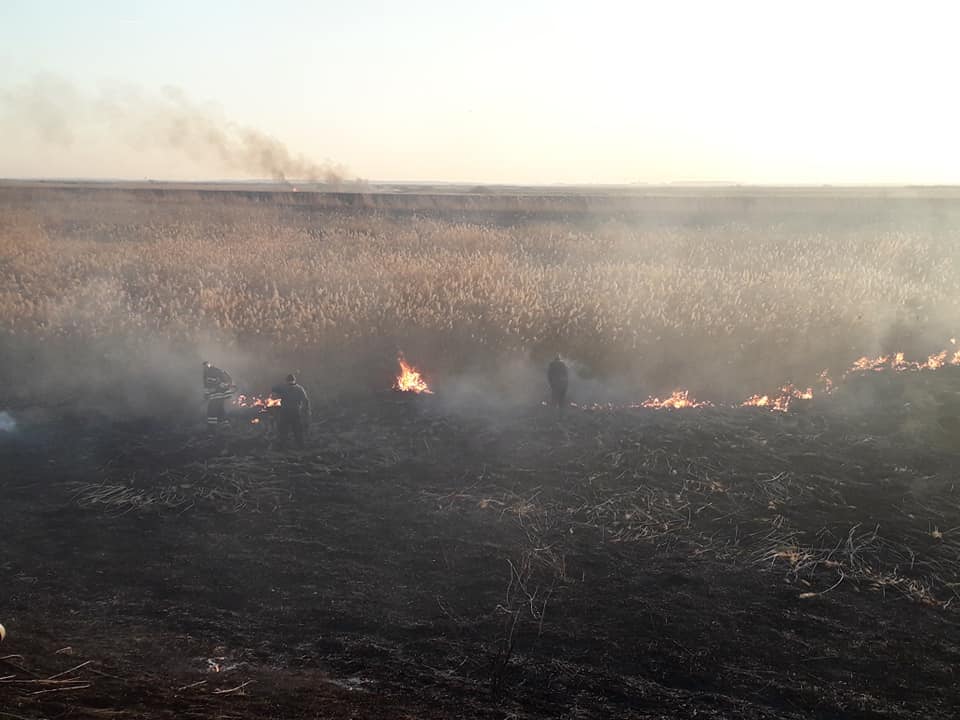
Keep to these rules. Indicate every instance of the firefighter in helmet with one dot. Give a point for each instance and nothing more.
(557, 376)
(217, 387)
(293, 415)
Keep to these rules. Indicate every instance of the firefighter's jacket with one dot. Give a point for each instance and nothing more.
(217, 384)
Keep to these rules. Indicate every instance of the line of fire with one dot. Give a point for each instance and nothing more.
(410, 380)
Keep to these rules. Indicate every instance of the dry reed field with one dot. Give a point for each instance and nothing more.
(719, 304)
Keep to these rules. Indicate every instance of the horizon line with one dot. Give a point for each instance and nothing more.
(478, 183)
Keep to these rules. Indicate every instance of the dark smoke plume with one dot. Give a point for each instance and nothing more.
(56, 112)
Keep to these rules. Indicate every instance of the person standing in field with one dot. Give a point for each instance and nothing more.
(557, 376)
(217, 387)
(293, 415)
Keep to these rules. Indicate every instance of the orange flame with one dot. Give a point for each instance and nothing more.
(824, 378)
(678, 399)
(409, 379)
(781, 402)
(898, 363)
(257, 401)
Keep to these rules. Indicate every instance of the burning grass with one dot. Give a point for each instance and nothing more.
(410, 380)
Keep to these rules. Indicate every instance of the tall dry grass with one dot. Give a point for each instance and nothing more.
(735, 303)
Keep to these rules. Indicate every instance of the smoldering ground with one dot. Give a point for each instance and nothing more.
(402, 551)
(54, 113)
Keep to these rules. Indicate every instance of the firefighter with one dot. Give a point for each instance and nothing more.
(294, 411)
(557, 376)
(217, 387)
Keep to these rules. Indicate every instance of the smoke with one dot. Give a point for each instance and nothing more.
(7, 423)
(517, 382)
(46, 106)
(61, 116)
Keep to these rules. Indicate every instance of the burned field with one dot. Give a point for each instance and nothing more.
(411, 562)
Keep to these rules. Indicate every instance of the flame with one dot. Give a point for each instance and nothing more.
(257, 401)
(678, 399)
(824, 378)
(935, 362)
(898, 362)
(409, 379)
(780, 402)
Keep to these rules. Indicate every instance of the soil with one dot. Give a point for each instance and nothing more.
(415, 562)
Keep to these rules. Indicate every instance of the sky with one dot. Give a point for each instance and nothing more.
(503, 91)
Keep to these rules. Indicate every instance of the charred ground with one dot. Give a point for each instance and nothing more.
(413, 562)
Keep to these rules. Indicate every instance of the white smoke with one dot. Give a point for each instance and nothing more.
(7, 423)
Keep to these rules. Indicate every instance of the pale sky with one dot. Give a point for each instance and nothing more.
(521, 91)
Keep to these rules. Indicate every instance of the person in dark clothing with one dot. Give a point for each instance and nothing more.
(293, 415)
(557, 376)
(217, 387)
